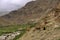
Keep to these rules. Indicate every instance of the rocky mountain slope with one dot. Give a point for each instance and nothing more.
(48, 28)
(32, 11)
(46, 15)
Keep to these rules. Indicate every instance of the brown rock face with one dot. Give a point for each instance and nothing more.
(31, 12)
(47, 28)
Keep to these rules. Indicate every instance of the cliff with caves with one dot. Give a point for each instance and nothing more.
(42, 18)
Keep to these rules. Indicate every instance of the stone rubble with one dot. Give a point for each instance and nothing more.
(9, 36)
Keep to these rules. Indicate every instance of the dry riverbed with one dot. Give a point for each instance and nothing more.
(9, 36)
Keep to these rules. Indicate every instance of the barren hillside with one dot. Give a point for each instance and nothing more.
(40, 19)
(48, 28)
(33, 10)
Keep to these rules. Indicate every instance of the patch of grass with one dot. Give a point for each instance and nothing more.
(14, 28)
(32, 24)
(18, 36)
(24, 30)
(57, 28)
(10, 28)
(58, 39)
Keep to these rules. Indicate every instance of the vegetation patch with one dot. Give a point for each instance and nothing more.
(57, 28)
(18, 36)
(8, 29)
(14, 28)
(24, 30)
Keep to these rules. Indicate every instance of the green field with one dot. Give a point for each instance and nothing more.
(14, 28)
